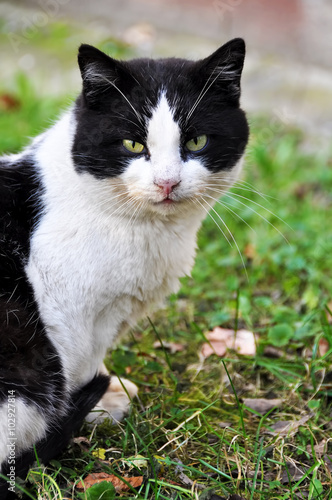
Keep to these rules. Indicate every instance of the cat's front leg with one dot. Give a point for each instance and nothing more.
(116, 401)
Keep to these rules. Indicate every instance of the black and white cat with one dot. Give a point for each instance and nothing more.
(99, 217)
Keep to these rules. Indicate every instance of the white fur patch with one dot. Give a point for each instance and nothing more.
(26, 422)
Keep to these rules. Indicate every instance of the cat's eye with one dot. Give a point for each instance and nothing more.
(197, 143)
(133, 146)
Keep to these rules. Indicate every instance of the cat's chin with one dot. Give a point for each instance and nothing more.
(165, 207)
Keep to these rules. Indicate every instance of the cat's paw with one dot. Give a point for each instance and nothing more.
(115, 403)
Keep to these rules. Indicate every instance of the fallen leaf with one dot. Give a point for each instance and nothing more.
(262, 405)
(291, 474)
(323, 346)
(221, 339)
(82, 442)
(179, 471)
(272, 352)
(173, 347)
(319, 448)
(186, 481)
(118, 483)
(287, 427)
(280, 427)
(224, 425)
(218, 348)
(328, 462)
(8, 102)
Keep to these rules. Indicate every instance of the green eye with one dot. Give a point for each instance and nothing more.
(133, 146)
(197, 143)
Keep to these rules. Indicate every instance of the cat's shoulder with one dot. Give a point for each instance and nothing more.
(17, 172)
(20, 189)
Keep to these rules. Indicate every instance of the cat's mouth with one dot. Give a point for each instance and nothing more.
(166, 201)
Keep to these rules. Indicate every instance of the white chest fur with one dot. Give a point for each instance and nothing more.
(90, 284)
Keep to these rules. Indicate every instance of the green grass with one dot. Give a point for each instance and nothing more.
(190, 419)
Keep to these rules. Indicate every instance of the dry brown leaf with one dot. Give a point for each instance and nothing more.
(81, 439)
(287, 427)
(323, 346)
(272, 352)
(224, 425)
(8, 102)
(262, 405)
(218, 348)
(221, 339)
(281, 427)
(186, 481)
(119, 484)
(328, 462)
(319, 448)
(293, 474)
(170, 346)
(82, 442)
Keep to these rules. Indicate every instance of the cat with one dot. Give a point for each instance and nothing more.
(99, 216)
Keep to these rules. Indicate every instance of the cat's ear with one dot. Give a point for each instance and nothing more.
(99, 72)
(224, 66)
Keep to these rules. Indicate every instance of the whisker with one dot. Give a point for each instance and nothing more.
(261, 206)
(208, 213)
(140, 119)
(224, 205)
(138, 204)
(122, 206)
(203, 92)
(226, 193)
(250, 190)
(141, 206)
(231, 235)
(240, 182)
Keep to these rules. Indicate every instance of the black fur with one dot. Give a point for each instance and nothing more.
(105, 116)
(81, 403)
(29, 364)
(25, 350)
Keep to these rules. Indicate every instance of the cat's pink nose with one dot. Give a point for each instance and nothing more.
(167, 186)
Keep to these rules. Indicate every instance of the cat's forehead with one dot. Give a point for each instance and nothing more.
(159, 71)
(171, 76)
(165, 91)
(162, 127)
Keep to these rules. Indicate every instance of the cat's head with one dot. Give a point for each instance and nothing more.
(161, 135)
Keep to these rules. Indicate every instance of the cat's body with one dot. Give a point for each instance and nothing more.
(115, 288)
(100, 216)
